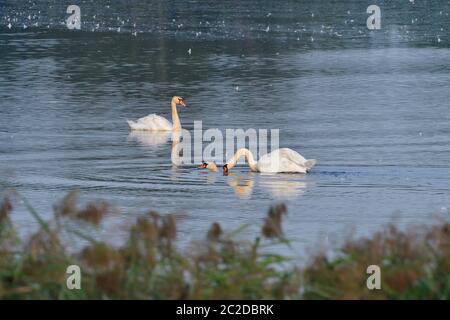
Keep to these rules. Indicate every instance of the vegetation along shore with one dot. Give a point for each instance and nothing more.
(414, 263)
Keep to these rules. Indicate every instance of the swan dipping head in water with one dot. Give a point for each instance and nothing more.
(277, 161)
(211, 166)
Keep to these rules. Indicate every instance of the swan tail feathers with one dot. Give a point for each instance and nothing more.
(131, 124)
(310, 163)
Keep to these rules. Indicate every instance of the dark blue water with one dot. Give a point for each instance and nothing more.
(371, 106)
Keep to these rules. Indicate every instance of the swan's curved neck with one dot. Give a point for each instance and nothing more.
(248, 155)
(176, 124)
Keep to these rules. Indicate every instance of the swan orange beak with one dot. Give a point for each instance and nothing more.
(203, 166)
(183, 103)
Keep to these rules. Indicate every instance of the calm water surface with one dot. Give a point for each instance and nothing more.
(373, 109)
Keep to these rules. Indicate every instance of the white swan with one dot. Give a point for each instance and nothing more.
(154, 122)
(279, 160)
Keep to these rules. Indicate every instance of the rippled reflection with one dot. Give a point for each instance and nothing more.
(282, 186)
(149, 139)
(278, 186)
(241, 184)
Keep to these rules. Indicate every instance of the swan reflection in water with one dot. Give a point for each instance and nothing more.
(149, 139)
(161, 139)
(284, 187)
(242, 185)
(177, 149)
(156, 138)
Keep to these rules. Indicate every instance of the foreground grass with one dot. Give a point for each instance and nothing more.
(415, 264)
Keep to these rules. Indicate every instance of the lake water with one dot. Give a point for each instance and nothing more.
(371, 106)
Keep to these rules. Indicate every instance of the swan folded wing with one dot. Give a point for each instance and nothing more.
(151, 122)
(275, 162)
(287, 165)
(147, 119)
(288, 160)
(136, 125)
(269, 163)
(292, 155)
(163, 123)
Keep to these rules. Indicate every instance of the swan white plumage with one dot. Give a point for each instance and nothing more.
(277, 161)
(154, 122)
